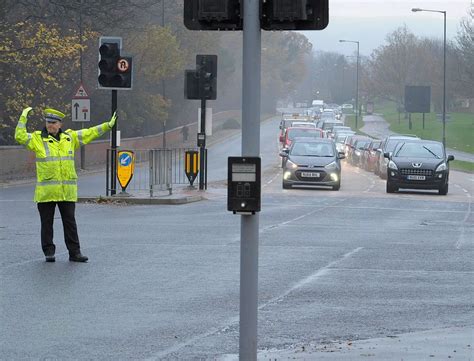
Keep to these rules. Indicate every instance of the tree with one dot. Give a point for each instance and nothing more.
(157, 55)
(465, 52)
(393, 64)
(36, 62)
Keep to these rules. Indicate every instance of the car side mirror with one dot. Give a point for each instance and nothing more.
(341, 155)
(284, 152)
(387, 155)
(450, 158)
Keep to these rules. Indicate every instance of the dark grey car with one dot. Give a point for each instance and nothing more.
(312, 163)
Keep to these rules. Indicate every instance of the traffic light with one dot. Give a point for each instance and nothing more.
(213, 14)
(294, 14)
(206, 66)
(191, 84)
(274, 14)
(124, 77)
(115, 71)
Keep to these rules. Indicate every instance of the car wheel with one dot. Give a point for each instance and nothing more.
(391, 188)
(286, 185)
(443, 190)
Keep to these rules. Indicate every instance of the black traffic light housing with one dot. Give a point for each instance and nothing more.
(206, 66)
(295, 14)
(274, 14)
(213, 14)
(115, 71)
(191, 84)
(202, 82)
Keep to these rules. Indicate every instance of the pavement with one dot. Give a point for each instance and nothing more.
(414, 346)
(377, 127)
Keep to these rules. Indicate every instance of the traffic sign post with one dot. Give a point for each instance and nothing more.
(191, 163)
(80, 112)
(125, 168)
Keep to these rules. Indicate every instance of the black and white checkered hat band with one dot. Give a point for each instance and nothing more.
(53, 117)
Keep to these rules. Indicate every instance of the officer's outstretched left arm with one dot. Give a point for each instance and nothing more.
(21, 135)
(85, 136)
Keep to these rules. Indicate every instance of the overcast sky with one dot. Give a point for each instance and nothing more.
(369, 21)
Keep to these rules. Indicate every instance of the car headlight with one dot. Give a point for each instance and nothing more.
(392, 165)
(357, 152)
(332, 165)
(441, 167)
(291, 165)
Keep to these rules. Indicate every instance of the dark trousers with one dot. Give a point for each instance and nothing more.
(67, 209)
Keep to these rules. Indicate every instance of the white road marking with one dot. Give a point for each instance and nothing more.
(234, 320)
(311, 278)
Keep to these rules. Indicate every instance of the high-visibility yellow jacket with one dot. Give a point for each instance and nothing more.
(56, 178)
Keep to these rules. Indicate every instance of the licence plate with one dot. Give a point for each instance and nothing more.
(416, 177)
(310, 174)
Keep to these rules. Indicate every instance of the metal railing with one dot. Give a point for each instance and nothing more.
(155, 170)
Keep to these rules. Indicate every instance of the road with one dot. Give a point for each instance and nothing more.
(163, 281)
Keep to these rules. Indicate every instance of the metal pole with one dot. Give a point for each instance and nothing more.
(202, 147)
(113, 157)
(357, 87)
(163, 80)
(205, 177)
(83, 149)
(249, 225)
(444, 83)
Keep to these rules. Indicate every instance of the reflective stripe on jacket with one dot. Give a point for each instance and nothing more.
(56, 178)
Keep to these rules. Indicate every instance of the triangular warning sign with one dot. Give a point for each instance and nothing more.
(81, 92)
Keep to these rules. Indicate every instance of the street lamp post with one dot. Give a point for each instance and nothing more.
(357, 78)
(444, 66)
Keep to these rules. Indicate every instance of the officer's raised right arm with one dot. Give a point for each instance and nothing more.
(21, 135)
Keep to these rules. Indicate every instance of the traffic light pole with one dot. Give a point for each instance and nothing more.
(113, 155)
(249, 225)
(202, 149)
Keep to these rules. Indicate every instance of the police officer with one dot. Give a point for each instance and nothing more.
(56, 175)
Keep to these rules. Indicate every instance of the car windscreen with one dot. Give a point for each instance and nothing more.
(376, 145)
(391, 144)
(311, 149)
(419, 150)
(361, 144)
(293, 133)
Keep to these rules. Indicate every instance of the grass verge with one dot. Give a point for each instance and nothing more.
(462, 166)
(459, 128)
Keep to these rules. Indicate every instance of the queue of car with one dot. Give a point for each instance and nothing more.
(312, 150)
(404, 161)
(309, 155)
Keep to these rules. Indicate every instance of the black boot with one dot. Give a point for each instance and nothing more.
(78, 257)
(50, 259)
